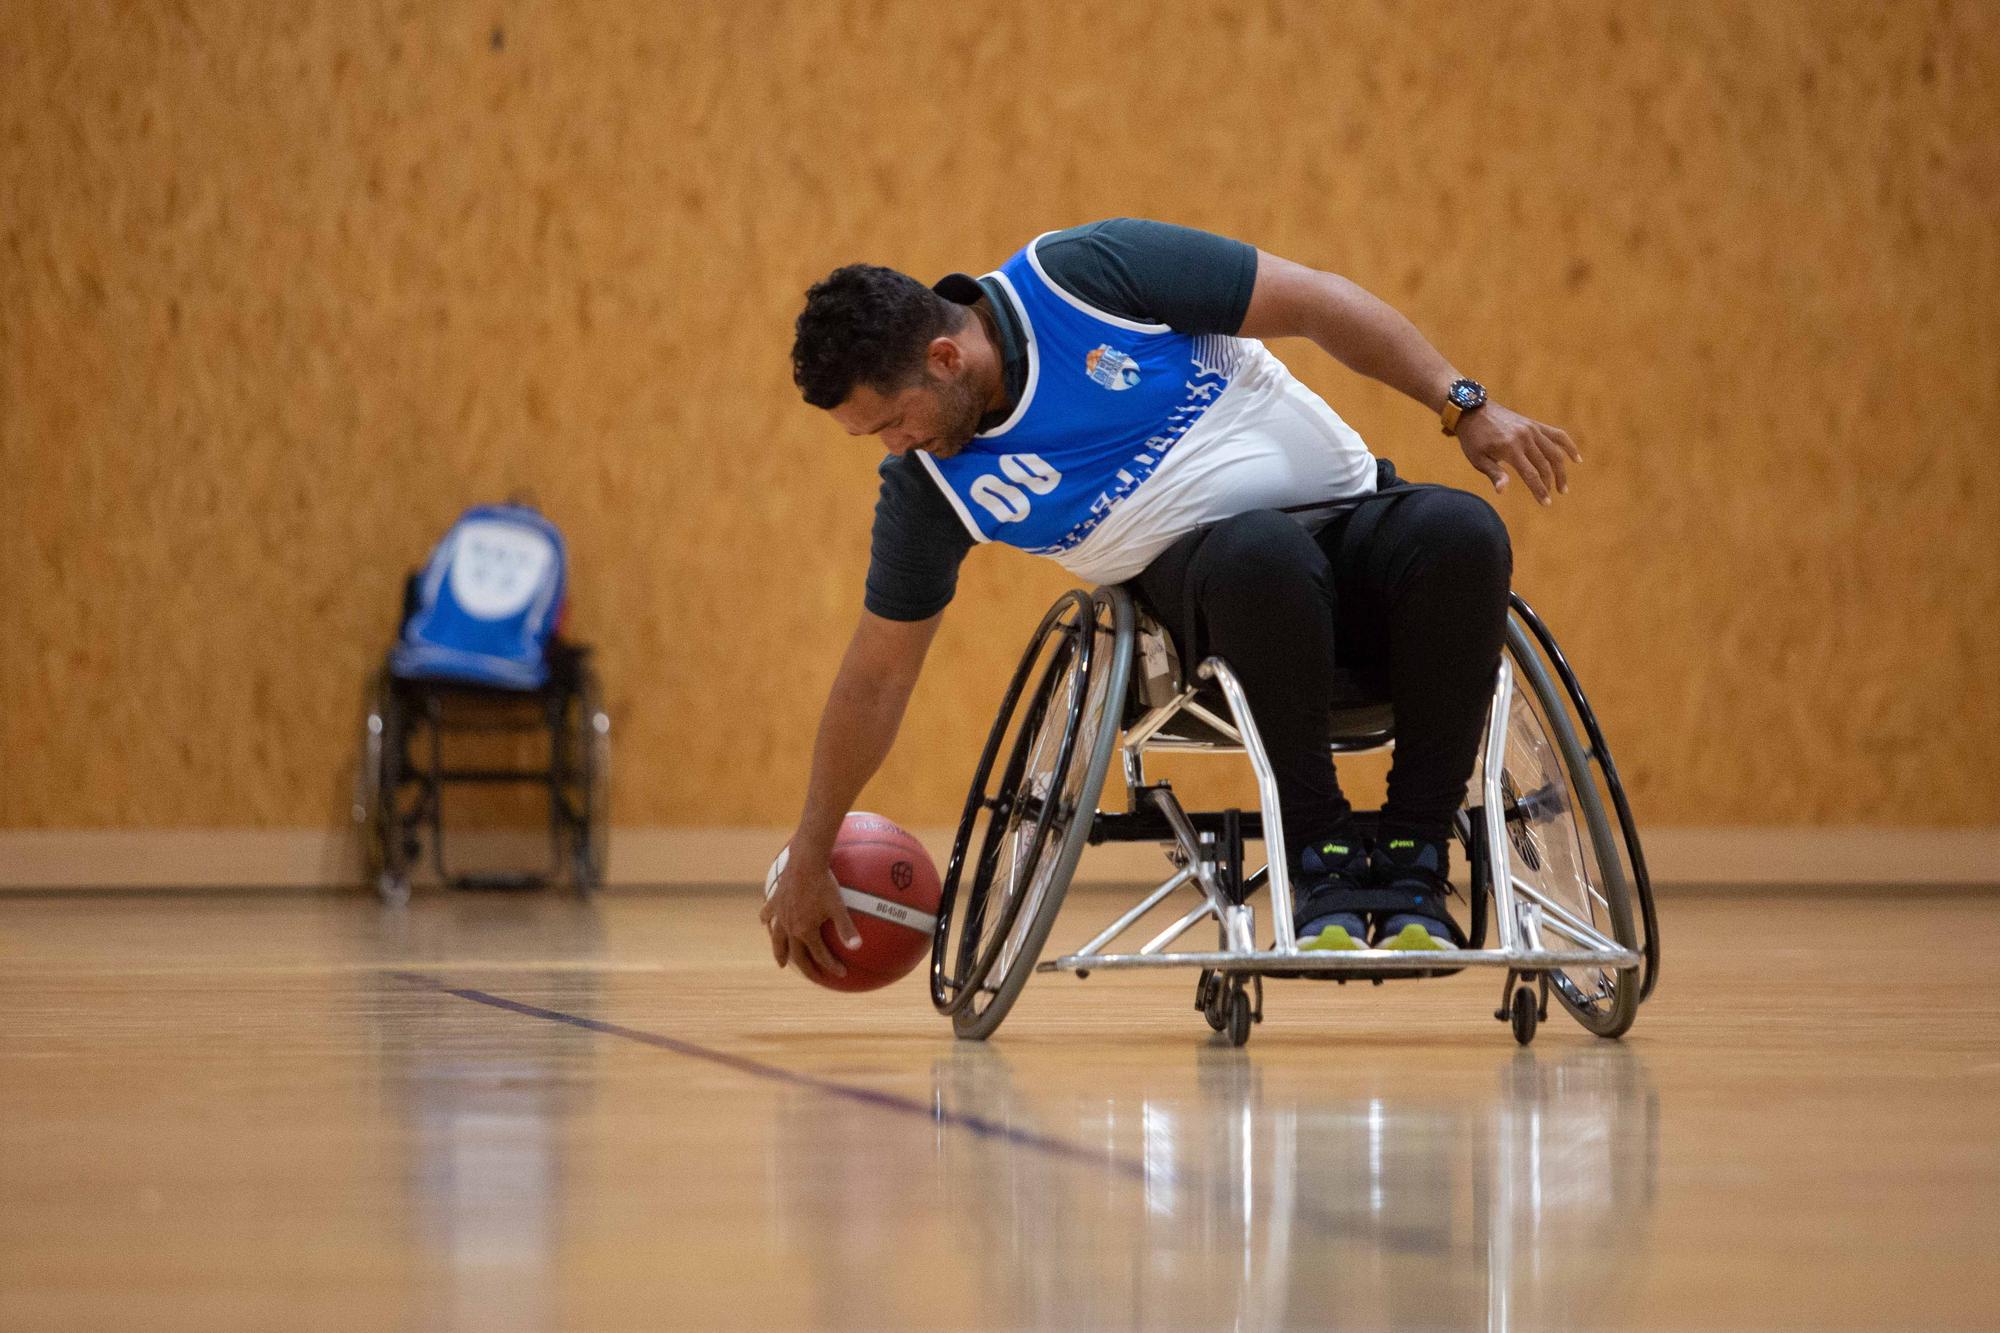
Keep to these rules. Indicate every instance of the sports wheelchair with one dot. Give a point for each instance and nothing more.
(1567, 894)
(399, 789)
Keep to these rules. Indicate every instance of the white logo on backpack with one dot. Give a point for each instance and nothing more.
(498, 568)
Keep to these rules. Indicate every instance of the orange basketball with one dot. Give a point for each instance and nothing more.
(890, 886)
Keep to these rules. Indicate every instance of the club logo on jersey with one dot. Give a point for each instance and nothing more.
(1111, 367)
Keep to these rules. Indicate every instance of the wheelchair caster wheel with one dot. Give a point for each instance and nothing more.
(1211, 996)
(1238, 1006)
(1522, 1013)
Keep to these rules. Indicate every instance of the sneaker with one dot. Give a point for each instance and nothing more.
(1342, 934)
(1330, 871)
(1414, 934)
(1416, 867)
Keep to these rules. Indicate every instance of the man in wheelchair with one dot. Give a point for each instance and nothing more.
(1104, 398)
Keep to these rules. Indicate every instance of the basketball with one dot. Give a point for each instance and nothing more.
(890, 886)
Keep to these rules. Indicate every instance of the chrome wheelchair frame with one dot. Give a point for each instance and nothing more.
(404, 769)
(1536, 806)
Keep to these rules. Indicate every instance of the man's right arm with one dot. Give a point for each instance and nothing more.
(856, 730)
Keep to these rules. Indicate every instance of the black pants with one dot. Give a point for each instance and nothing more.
(1408, 590)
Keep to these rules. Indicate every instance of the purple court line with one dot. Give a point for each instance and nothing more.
(893, 1103)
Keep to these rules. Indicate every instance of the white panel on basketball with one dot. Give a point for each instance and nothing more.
(881, 908)
(865, 903)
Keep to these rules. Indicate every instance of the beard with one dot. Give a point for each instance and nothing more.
(958, 417)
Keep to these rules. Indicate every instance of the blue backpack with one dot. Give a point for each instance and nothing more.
(488, 602)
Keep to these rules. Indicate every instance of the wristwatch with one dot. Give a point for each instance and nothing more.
(1463, 396)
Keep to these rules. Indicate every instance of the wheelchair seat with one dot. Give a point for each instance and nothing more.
(1361, 720)
(1361, 715)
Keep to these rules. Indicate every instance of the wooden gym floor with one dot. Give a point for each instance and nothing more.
(501, 1112)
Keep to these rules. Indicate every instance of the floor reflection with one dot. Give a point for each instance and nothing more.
(1267, 1202)
(1027, 1186)
(483, 1108)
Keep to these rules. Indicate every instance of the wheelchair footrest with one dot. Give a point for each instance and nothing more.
(1361, 962)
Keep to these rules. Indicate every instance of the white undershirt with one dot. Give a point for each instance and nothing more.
(1269, 442)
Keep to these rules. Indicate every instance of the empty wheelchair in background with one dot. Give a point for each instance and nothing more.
(1562, 885)
(480, 654)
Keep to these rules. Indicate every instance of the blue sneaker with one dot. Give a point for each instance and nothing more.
(1414, 934)
(1414, 869)
(1338, 934)
(1330, 873)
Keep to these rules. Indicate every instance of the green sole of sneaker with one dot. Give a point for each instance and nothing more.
(1414, 938)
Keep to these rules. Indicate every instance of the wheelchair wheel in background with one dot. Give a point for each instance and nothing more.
(376, 780)
(1025, 825)
(587, 731)
(1564, 855)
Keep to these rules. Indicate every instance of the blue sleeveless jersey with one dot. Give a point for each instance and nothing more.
(1105, 402)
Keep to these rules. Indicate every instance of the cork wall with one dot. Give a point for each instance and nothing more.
(283, 288)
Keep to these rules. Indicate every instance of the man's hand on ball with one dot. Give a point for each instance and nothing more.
(805, 897)
(1494, 439)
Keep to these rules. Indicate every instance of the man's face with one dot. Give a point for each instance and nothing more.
(938, 414)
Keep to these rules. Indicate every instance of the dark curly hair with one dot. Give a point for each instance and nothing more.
(865, 324)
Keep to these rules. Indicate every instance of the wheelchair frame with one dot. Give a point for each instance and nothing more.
(399, 797)
(1206, 849)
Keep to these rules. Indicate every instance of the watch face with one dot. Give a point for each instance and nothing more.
(1467, 394)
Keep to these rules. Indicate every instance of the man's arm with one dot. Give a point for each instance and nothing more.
(857, 728)
(1371, 338)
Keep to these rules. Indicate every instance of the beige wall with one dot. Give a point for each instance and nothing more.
(284, 287)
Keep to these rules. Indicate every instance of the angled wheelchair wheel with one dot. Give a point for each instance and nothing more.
(1604, 773)
(1565, 857)
(1030, 808)
(587, 784)
(376, 781)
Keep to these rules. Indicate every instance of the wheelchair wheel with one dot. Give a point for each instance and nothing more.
(587, 731)
(1604, 772)
(376, 780)
(1025, 827)
(1239, 1017)
(1564, 855)
(1212, 997)
(1522, 1015)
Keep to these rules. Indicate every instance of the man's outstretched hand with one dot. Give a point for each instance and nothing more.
(1494, 438)
(805, 897)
